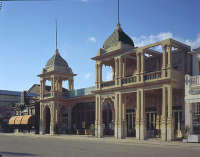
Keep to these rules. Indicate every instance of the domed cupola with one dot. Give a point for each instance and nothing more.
(57, 64)
(116, 37)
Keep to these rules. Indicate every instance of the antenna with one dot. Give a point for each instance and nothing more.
(118, 12)
(56, 34)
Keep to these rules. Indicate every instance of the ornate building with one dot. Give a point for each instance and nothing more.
(144, 99)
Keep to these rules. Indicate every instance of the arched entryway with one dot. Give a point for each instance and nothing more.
(47, 120)
(108, 117)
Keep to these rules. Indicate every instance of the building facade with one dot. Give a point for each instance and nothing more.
(144, 99)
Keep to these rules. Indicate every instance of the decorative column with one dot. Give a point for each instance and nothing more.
(163, 117)
(169, 61)
(143, 116)
(52, 122)
(41, 120)
(120, 75)
(124, 67)
(116, 71)
(138, 66)
(98, 117)
(52, 86)
(137, 120)
(164, 61)
(142, 67)
(71, 84)
(98, 74)
(170, 125)
(42, 88)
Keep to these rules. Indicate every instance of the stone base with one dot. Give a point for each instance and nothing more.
(137, 129)
(164, 134)
(98, 131)
(170, 133)
(143, 132)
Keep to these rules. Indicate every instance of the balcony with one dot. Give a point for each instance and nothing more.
(148, 77)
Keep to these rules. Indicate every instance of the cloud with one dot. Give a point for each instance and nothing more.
(87, 76)
(92, 39)
(145, 40)
(194, 44)
(84, 1)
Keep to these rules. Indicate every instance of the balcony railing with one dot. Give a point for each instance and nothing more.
(108, 84)
(127, 80)
(152, 75)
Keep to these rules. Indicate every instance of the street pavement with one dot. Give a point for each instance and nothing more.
(81, 146)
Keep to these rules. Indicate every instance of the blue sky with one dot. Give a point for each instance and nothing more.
(27, 33)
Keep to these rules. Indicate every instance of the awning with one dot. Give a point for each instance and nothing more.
(27, 119)
(18, 120)
(12, 120)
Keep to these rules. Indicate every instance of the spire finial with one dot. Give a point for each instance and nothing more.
(56, 35)
(118, 12)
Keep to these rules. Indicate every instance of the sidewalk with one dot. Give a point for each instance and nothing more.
(111, 140)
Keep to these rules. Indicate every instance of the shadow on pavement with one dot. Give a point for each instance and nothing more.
(16, 154)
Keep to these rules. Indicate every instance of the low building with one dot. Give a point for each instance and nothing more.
(192, 96)
(7, 99)
(26, 113)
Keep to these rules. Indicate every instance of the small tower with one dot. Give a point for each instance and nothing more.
(56, 71)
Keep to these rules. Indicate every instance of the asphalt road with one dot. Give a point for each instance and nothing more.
(23, 146)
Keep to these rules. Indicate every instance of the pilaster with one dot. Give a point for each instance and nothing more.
(143, 116)
(169, 61)
(163, 117)
(52, 122)
(170, 125)
(137, 120)
(138, 66)
(164, 61)
(98, 117)
(142, 66)
(120, 118)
